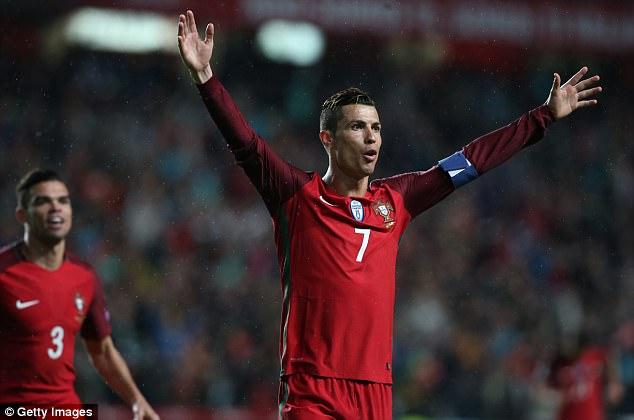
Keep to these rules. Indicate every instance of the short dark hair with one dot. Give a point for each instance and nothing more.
(331, 108)
(33, 177)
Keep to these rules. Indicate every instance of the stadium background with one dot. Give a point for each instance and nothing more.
(491, 282)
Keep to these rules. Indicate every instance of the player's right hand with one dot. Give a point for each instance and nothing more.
(143, 411)
(195, 52)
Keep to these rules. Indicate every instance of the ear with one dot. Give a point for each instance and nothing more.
(20, 215)
(327, 140)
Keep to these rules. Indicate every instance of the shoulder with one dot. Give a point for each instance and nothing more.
(391, 181)
(313, 184)
(84, 273)
(10, 255)
(80, 264)
(395, 182)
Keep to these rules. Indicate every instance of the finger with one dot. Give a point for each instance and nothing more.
(181, 36)
(584, 84)
(209, 33)
(191, 22)
(583, 104)
(556, 82)
(589, 92)
(182, 20)
(574, 79)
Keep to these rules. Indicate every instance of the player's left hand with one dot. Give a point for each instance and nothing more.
(142, 411)
(573, 94)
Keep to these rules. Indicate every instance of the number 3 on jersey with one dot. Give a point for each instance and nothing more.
(364, 242)
(57, 336)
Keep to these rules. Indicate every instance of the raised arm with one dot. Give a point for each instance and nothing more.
(490, 150)
(422, 190)
(275, 179)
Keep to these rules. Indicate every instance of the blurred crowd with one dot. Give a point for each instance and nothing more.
(491, 283)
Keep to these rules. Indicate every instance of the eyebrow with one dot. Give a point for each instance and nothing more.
(364, 122)
(50, 197)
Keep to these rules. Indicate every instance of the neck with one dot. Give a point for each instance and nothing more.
(48, 256)
(345, 185)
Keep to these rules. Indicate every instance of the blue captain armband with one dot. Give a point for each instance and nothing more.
(459, 169)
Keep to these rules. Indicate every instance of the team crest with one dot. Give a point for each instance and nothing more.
(356, 208)
(386, 211)
(80, 304)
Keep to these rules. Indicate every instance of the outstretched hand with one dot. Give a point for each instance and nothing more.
(573, 94)
(195, 52)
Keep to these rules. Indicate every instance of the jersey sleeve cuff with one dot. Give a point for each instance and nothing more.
(544, 115)
(209, 88)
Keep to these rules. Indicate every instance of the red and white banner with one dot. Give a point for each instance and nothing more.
(517, 25)
(600, 26)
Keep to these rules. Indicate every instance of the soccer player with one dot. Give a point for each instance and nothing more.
(337, 235)
(587, 379)
(46, 297)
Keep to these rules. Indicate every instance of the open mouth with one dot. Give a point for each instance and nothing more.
(370, 155)
(55, 222)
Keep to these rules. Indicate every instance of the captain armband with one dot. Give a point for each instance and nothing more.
(459, 169)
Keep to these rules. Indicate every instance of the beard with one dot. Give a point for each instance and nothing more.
(48, 238)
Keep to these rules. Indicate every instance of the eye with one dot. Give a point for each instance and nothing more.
(38, 201)
(376, 128)
(64, 200)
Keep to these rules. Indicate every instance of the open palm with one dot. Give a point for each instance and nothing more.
(195, 52)
(563, 100)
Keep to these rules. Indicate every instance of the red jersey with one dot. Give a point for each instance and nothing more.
(41, 312)
(581, 382)
(337, 255)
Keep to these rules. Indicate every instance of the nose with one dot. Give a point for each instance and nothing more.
(370, 136)
(55, 206)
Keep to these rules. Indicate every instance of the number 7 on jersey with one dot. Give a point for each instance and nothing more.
(364, 243)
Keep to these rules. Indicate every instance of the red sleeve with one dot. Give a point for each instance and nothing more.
(97, 323)
(275, 179)
(492, 149)
(421, 190)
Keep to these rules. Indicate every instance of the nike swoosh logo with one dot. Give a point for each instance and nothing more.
(23, 305)
(325, 202)
(457, 171)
